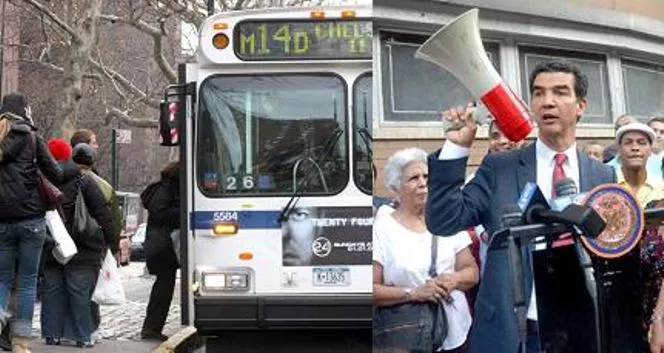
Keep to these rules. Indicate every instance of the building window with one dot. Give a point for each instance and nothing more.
(644, 88)
(414, 89)
(593, 65)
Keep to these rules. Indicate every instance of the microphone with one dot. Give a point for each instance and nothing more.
(512, 216)
(537, 210)
(567, 194)
(531, 197)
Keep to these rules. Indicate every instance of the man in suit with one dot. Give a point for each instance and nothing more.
(558, 100)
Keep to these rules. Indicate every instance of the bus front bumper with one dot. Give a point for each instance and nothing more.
(282, 312)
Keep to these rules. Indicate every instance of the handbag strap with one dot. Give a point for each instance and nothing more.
(33, 141)
(434, 254)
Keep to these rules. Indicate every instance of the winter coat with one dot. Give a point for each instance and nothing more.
(19, 195)
(87, 255)
(162, 200)
(110, 197)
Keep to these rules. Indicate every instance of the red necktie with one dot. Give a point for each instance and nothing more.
(559, 174)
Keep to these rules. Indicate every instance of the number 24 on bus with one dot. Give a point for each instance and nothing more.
(300, 38)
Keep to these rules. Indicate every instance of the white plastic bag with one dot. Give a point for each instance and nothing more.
(175, 239)
(64, 248)
(109, 289)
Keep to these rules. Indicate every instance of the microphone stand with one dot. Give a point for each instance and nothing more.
(512, 239)
(591, 285)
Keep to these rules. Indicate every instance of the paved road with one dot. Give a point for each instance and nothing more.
(309, 341)
(121, 325)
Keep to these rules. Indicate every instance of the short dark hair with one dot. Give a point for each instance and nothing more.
(81, 136)
(580, 79)
(171, 170)
(656, 119)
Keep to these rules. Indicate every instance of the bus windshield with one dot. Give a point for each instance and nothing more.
(272, 134)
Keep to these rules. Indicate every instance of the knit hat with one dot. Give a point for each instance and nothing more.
(639, 127)
(60, 149)
(83, 154)
(15, 103)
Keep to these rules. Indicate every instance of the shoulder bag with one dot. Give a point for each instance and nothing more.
(411, 327)
(51, 196)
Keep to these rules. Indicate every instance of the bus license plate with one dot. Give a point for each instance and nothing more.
(331, 276)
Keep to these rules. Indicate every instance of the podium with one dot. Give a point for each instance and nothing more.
(577, 314)
(570, 319)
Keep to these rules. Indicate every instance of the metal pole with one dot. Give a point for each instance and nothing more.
(114, 159)
(210, 7)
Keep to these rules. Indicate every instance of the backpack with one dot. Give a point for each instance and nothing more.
(148, 193)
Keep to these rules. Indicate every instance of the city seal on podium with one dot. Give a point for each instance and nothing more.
(624, 221)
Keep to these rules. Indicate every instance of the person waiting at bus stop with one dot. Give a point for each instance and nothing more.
(22, 210)
(88, 137)
(405, 294)
(66, 301)
(162, 200)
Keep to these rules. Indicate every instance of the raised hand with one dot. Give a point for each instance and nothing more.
(461, 124)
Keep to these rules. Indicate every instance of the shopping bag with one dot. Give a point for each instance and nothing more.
(108, 290)
(175, 239)
(64, 248)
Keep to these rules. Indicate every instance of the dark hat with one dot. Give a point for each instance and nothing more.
(14, 103)
(83, 154)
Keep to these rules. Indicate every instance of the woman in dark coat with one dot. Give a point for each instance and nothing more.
(67, 289)
(162, 200)
(22, 210)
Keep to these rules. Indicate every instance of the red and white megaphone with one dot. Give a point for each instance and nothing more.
(457, 48)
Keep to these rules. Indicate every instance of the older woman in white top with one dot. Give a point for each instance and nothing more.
(402, 248)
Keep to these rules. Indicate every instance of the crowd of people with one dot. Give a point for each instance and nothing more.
(68, 313)
(435, 198)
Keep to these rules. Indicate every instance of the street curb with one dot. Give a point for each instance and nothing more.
(177, 341)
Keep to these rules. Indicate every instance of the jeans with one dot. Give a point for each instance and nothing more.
(21, 240)
(66, 302)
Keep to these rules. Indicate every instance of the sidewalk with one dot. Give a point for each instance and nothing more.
(38, 346)
(120, 324)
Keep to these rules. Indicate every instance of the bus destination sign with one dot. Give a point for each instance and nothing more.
(302, 40)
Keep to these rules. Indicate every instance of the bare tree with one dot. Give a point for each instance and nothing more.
(75, 27)
(105, 63)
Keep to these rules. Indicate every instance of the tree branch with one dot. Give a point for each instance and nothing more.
(113, 113)
(41, 8)
(123, 81)
(59, 69)
(157, 35)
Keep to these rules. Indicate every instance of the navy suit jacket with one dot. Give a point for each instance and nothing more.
(450, 209)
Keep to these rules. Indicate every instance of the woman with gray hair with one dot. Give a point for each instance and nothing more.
(407, 281)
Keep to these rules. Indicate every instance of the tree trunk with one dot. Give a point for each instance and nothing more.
(79, 53)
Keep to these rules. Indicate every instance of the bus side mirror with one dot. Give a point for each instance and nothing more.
(168, 124)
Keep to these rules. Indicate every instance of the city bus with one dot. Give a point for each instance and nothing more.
(273, 124)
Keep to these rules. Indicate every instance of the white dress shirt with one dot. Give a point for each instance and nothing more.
(406, 257)
(545, 160)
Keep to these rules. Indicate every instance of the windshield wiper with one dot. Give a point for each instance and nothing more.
(301, 185)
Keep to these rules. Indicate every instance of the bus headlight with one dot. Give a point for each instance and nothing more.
(225, 281)
(214, 281)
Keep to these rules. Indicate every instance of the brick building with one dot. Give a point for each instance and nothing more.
(618, 43)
